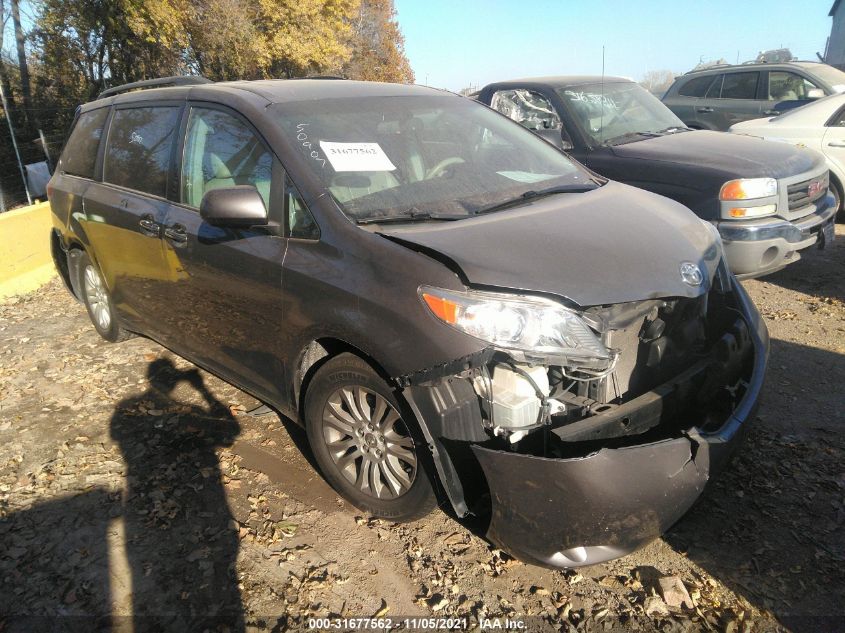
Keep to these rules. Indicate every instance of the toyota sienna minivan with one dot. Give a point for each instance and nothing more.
(456, 311)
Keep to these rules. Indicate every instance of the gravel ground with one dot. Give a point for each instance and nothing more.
(136, 495)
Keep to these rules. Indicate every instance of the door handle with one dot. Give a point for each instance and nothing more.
(176, 234)
(836, 144)
(704, 109)
(771, 112)
(149, 227)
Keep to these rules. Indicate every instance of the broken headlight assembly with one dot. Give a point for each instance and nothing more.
(535, 327)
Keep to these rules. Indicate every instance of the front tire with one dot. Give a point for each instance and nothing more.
(362, 445)
(98, 301)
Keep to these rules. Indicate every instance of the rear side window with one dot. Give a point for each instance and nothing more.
(139, 145)
(80, 153)
(740, 86)
(715, 88)
(696, 87)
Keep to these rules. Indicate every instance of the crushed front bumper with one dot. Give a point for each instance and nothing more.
(586, 510)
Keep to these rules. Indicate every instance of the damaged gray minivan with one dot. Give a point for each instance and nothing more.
(453, 308)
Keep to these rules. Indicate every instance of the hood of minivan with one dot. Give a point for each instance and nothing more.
(736, 156)
(611, 245)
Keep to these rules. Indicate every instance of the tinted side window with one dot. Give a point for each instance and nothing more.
(696, 87)
(80, 153)
(715, 88)
(740, 86)
(838, 120)
(222, 151)
(138, 149)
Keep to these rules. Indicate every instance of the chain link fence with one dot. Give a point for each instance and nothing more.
(43, 146)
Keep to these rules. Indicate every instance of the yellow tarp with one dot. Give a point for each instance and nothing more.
(25, 260)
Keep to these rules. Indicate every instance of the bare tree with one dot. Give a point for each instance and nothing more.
(4, 73)
(26, 87)
(657, 81)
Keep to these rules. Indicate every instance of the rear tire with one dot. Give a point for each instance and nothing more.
(98, 301)
(363, 447)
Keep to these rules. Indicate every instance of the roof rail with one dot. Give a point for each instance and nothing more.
(324, 77)
(701, 69)
(162, 82)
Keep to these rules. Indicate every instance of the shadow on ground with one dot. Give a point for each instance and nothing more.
(164, 550)
(819, 273)
(772, 526)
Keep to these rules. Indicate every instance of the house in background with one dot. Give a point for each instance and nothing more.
(835, 53)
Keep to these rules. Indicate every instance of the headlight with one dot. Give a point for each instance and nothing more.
(533, 325)
(749, 189)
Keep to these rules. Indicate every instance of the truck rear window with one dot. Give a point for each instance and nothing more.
(80, 153)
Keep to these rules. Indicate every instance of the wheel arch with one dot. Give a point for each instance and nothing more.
(446, 485)
(312, 356)
(65, 253)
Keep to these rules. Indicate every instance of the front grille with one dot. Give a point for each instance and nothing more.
(803, 193)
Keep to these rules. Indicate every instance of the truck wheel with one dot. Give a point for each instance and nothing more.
(98, 301)
(361, 443)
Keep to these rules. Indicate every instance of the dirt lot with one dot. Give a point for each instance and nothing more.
(130, 504)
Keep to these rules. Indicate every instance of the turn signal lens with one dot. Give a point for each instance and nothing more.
(443, 309)
(753, 212)
(749, 188)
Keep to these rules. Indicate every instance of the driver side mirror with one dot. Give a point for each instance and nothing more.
(240, 206)
(815, 93)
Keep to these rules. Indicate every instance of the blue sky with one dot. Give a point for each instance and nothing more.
(455, 43)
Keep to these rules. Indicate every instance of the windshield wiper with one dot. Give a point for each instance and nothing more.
(532, 194)
(674, 129)
(411, 215)
(629, 136)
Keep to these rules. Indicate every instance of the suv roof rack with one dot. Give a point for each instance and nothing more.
(189, 80)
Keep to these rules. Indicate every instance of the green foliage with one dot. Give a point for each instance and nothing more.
(378, 48)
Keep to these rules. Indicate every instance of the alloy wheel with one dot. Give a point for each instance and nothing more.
(368, 442)
(98, 300)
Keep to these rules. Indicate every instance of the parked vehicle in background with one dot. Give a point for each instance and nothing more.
(442, 299)
(768, 200)
(720, 96)
(819, 125)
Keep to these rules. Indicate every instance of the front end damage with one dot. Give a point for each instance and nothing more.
(581, 465)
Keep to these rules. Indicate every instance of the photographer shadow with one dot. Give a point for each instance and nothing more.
(181, 540)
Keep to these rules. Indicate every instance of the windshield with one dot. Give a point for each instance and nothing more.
(421, 157)
(833, 76)
(616, 112)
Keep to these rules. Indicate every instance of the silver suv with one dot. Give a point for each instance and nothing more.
(717, 97)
